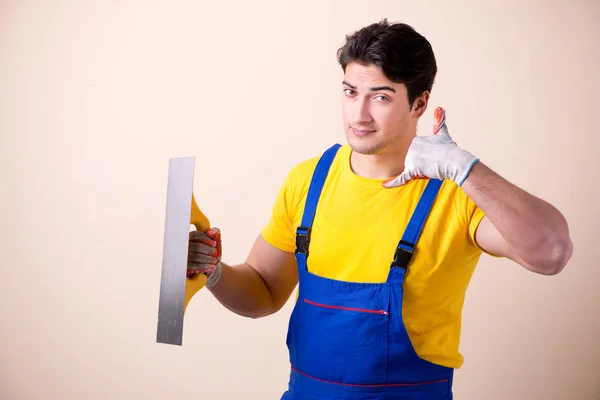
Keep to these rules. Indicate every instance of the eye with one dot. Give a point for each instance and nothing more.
(382, 98)
(349, 92)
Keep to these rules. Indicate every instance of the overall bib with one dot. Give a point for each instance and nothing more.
(347, 340)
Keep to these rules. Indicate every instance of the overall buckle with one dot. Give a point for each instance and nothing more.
(302, 239)
(403, 256)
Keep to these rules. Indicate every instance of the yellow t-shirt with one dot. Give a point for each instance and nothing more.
(357, 227)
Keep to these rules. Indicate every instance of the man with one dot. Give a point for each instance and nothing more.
(382, 234)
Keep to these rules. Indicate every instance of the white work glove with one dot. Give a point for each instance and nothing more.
(435, 156)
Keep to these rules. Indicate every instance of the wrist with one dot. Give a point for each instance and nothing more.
(215, 275)
(465, 166)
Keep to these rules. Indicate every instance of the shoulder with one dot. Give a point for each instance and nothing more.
(304, 170)
(294, 190)
(301, 173)
(295, 184)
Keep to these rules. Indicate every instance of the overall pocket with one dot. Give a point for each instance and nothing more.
(341, 343)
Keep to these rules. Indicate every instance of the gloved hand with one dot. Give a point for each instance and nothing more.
(436, 157)
(204, 254)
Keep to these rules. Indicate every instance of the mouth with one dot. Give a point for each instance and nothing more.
(362, 132)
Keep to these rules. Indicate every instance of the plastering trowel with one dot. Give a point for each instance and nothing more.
(176, 290)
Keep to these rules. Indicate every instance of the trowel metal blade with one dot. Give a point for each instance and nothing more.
(175, 251)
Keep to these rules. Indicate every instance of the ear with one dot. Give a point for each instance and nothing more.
(420, 105)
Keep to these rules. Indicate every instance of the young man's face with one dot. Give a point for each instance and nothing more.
(377, 116)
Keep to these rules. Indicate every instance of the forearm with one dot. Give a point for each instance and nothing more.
(535, 230)
(242, 290)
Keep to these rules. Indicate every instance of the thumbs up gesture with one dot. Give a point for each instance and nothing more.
(435, 156)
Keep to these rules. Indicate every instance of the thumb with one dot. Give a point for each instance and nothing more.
(439, 125)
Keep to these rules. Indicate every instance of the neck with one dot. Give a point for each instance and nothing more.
(382, 165)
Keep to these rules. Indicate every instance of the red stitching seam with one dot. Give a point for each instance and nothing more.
(370, 385)
(346, 308)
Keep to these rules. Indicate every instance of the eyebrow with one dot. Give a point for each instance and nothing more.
(373, 89)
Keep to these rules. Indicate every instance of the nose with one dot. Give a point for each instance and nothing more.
(362, 114)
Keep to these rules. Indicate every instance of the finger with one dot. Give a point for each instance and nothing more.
(400, 180)
(200, 268)
(198, 235)
(195, 268)
(199, 247)
(202, 237)
(201, 258)
(439, 126)
(196, 247)
(391, 183)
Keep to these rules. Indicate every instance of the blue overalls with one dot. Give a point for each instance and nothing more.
(347, 340)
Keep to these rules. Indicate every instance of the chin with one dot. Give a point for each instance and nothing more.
(366, 147)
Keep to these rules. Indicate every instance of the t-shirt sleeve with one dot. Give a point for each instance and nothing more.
(475, 215)
(279, 230)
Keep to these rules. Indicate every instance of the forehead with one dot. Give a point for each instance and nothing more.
(365, 77)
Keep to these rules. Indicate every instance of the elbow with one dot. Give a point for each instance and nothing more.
(556, 255)
(257, 314)
(265, 311)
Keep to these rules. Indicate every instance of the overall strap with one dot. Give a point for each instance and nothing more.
(312, 199)
(406, 246)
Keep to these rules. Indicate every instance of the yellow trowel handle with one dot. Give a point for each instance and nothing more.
(198, 219)
(197, 282)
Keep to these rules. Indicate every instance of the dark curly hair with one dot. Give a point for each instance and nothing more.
(402, 54)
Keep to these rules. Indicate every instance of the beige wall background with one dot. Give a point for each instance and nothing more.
(96, 96)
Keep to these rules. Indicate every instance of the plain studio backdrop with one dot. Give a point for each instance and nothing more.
(96, 96)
